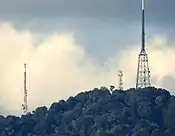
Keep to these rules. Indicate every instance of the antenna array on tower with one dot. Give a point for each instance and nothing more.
(120, 74)
(25, 105)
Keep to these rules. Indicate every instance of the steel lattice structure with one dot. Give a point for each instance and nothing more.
(143, 72)
(25, 105)
(120, 74)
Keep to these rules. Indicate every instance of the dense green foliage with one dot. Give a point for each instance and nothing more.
(100, 112)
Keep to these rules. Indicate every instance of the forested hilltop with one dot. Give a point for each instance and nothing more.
(100, 112)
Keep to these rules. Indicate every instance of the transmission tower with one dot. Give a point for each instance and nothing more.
(25, 105)
(120, 74)
(143, 72)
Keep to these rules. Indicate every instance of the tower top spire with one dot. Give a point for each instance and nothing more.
(143, 4)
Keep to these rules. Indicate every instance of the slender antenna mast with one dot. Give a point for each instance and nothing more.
(120, 74)
(25, 105)
(143, 72)
(143, 25)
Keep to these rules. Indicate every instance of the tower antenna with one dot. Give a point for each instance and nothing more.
(25, 105)
(143, 72)
(120, 74)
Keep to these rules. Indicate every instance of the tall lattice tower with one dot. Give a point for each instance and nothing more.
(25, 105)
(120, 75)
(143, 72)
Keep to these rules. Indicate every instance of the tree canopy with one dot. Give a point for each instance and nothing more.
(99, 112)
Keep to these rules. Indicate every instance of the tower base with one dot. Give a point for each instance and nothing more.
(143, 72)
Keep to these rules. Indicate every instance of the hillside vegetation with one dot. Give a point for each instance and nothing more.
(100, 112)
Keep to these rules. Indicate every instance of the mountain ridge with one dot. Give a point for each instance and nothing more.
(99, 112)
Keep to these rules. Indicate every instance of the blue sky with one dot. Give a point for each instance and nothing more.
(89, 40)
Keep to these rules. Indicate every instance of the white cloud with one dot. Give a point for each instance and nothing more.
(58, 67)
